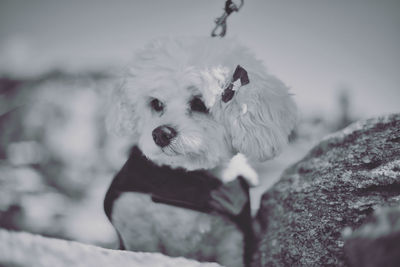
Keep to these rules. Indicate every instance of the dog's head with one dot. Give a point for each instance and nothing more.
(170, 103)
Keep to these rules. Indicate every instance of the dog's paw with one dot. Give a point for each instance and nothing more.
(238, 166)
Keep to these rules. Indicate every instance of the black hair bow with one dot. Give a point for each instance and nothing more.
(240, 73)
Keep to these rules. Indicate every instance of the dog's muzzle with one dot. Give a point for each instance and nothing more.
(162, 135)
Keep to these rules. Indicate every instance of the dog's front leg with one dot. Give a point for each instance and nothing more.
(233, 200)
(231, 249)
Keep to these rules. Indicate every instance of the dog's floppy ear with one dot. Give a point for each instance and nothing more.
(122, 118)
(258, 113)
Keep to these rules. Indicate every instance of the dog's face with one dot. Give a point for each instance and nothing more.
(170, 105)
(176, 127)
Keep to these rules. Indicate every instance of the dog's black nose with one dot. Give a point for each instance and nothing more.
(163, 135)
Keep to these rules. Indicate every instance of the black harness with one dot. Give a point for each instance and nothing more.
(196, 190)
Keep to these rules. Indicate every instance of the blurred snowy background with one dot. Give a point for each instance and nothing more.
(60, 59)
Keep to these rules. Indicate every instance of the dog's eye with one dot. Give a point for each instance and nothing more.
(157, 105)
(196, 104)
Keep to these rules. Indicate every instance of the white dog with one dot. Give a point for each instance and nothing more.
(189, 106)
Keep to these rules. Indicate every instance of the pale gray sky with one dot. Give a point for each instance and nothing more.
(314, 46)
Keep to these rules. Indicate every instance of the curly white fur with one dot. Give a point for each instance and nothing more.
(256, 122)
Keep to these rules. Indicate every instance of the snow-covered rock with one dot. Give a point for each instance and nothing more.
(27, 250)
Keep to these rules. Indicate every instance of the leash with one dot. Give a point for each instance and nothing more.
(220, 22)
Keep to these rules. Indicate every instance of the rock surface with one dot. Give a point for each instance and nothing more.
(27, 250)
(377, 243)
(338, 184)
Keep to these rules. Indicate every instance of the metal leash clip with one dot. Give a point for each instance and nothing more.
(221, 21)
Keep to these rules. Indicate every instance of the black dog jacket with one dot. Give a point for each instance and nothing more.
(196, 190)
